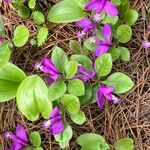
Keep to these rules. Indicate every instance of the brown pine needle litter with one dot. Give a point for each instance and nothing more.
(130, 119)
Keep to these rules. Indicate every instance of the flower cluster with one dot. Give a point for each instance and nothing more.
(103, 46)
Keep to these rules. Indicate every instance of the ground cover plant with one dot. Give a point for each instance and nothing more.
(75, 79)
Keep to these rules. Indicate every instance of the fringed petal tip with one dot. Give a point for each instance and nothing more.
(37, 66)
(146, 44)
(116, 100)
(46, 124)
(8, 135)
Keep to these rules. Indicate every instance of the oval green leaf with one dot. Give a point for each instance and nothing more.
(120, 81)
(124, 7)
(87, 96)
(124, 53)
(24, 11)
(71, 68)
(38, 17)
(31, 3)
(71, 103)
(83, 60)
(79, 118)
(42, 35)
(124, 144)
(91, 141)
(10, 79)
(35, 138)
(21, 35)
(124, 33)
(56, 90)
(4, 54)
(103, 65)
(115, 53)
(32, 98)
(65, 136)
(75, 46)
(59, 58)
(65, 12)
(76, 87)
(131, 17)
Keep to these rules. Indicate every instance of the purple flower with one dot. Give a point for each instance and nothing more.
(8, 1)
(84, 74)
(102, 5)
(19, 139)
(103, 46)
(55, 124)
(47, 66)
(96, 18)
(146, 44)
(1, 39)
(148, 28)
(87, 25)
(106, 92)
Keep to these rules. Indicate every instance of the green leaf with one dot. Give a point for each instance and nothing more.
(75, 46)
(87, 96)
(110, 19)
(42, 35)
(71, 68)
(94, 93)
(131, 17)
(2, 28)
(116, 2)
(88, 44)
(38, 17)
(56, 90)
(33, 42)
(38, 148)
(124, 53)
(32, 98)
(103, 64)
(82, 2)
(10, 79)
(71, 103)
(24, 11)
(124, 6)
(31, 3)
(21, 35)
(115, 27)
(18, 1)
(27, 148)
(124, 144)
(4, 54)
(91, 141)
(79, 118)
(83, 60)
(35, 138)
(58, 55)
(64, 137)
(64, 12)
(124, 33)
(76, 87)
(115, 53)
(120, 81)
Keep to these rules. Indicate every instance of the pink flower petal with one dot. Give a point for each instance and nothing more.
(111, 9)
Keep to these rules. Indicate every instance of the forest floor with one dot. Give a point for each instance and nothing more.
(130, 119)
